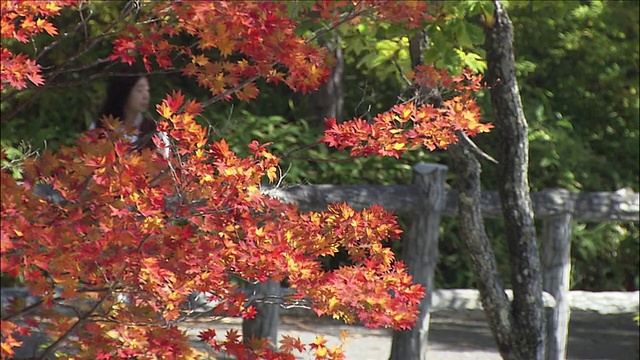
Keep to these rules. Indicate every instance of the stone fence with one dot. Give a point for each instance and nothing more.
(428, 199)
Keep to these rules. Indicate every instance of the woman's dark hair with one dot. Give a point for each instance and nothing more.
(118, 91)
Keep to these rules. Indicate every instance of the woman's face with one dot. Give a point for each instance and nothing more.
(138, 100)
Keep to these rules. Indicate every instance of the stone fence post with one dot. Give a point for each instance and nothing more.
(266, 321)
(420, 254)
(556, 270)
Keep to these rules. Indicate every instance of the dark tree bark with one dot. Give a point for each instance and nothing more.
(328, 100)
(511, 125)
(494, 300)
(417, 44)
(519, 327)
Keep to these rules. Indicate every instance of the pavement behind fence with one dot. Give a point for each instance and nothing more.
(458, 336)
(601, 328)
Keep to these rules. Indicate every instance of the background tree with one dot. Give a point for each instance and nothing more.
(519, 326)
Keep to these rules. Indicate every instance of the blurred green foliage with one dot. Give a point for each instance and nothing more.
(579, 77)
(577, 65)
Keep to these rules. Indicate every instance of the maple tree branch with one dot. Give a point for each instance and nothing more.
(316, 34)
(24, 103)
(24, 311)
(26, 151)
(83, 67)
(365, 95)
(65, 68)
(139, 248)
(157, 178)
(50, 84)
(82, 23)
(109, 74)
(81, 320)
(281, 301)
(402, 74)
(105, 33)
(37, 90)
(98, 289)
(288, 153)
(343, 18)
(231, 91)
(98, 318)
(310, 159)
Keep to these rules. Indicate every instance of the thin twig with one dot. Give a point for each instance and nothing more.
(231, 91)
(363, 99)
(402, 74)
(288, 153)
(82, 23)
(349, 16)
(462, 136)
(109, 74)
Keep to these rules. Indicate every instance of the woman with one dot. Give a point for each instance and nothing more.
(127, 99)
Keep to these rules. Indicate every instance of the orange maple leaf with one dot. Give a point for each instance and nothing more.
(290, 343)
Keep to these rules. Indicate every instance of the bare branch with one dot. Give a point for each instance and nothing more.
(81, 319)
(343, 18)
(234, 89)
(402, 74)
(82, 24)
(24, 311)
(462, 136)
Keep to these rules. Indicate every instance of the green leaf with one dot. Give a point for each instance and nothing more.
(564, 123)
(367, 60)
(464, 39)
(475, 62)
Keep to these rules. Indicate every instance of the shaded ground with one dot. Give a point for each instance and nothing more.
(454, 336)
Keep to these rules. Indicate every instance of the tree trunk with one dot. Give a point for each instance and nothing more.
(328, 100)
(494, 300)
(511, 125)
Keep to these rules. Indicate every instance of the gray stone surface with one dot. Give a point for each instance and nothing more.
(469, 299)
(601, 327)
(606, 302)
(453, 335)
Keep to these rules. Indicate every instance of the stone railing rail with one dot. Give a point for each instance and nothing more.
(622, 205)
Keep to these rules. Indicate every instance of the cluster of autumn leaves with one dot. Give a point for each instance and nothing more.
(138, 233)
(409, 125)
